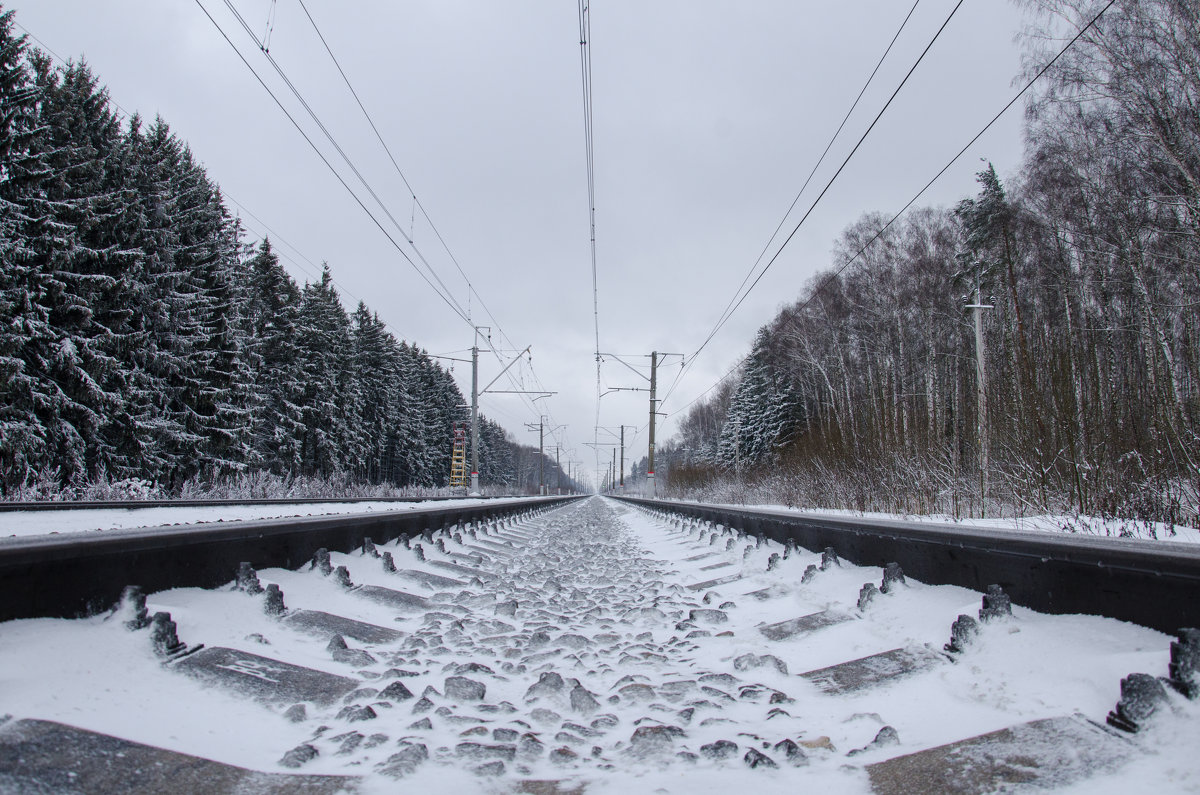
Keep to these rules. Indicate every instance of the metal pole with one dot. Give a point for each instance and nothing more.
(981, 384)
(622, 458)
(653, 407)
(541, 457)
(475, 415)
(737, 448)
(557, 473)
(613, 483)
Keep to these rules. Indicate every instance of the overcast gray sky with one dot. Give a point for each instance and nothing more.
(707, 118)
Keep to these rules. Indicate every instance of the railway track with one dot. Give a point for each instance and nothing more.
(135, 505)
(574, 646)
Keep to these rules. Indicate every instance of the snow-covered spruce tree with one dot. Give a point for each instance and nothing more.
(277, 420)
(497, 464)
(24, 444)
(154, 432)
(331, 400)
(385, 400)
(763, 412)
(62, 203)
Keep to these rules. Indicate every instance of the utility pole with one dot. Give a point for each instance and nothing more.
(622, 459)
(614, 469)
(981, 384)
(653, 416)
(475, 414)
(476, 392)
(653, 379)
(737, 447)
(557, 473)
(541, 429)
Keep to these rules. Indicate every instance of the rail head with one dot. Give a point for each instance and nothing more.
(77, 574)
(134, 505)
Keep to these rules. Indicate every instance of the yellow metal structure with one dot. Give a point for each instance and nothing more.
(458, 458)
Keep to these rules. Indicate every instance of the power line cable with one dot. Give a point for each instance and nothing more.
(585, 69)
(811, 173)
(444, 292)
(416, 201)
(1008, 106)
(730, 310)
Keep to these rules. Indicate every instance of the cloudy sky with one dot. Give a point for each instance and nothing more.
(708, 117)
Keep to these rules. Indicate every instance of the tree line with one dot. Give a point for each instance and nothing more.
(142, 338)
(864, 392)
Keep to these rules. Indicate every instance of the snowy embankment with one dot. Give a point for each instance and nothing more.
(1092, 526)
(36, 523)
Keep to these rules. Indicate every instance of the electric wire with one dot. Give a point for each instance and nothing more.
(585, 68)
(449, 296)
(417, 204)
(395, 165)
(444, 293)
(811, 173)
(446, 299)
(737, 302)
(950, 163)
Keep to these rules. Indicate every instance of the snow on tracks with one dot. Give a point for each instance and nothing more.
(588, 646)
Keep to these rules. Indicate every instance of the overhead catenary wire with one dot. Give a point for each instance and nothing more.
(744, 292)
(448, 300)
(444, 291)
(395, 165)
(916, 197)
(417, 204)
(821, 159)
(585, 68)
(448, 296)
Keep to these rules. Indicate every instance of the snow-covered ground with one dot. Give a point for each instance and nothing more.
(85, 520)
(585, 635)
(1077, 525)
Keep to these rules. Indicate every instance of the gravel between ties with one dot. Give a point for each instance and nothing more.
(579, 652)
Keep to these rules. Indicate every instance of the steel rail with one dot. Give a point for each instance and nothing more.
(78, 505)
(78, 574)
(1152, 583)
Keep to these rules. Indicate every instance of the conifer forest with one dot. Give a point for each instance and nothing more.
(143, 339)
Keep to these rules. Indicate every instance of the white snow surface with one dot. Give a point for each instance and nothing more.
(1084, 526)
(615, 576)
(19, 524)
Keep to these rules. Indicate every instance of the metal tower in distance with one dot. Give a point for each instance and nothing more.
(458, 458)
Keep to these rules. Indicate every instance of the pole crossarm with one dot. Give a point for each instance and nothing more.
(627, 364)
(516, 359)
(624, 389)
